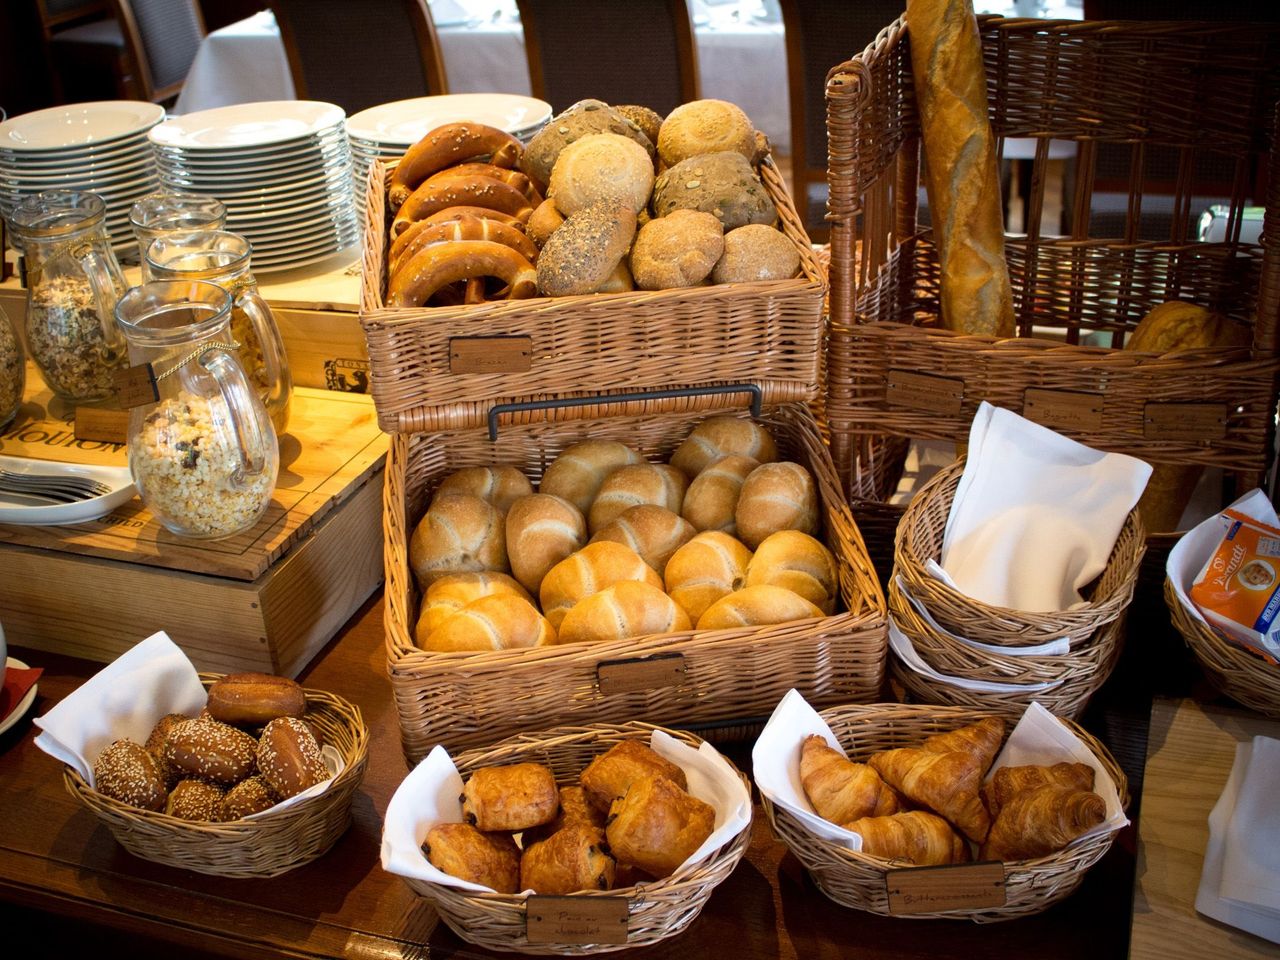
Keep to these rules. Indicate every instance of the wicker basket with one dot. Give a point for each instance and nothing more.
(730, 676)
(1241, 675)
(858, 880)
(268, 845)
(656, 910)
(768, 333)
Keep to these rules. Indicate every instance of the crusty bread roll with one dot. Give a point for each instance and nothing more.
(705, 126)
(584, 250)
(254, 699)
(577, 473)
(590, 570)
(543, 222)
(677, 250)
(542, 529)
(798, 562)
(582, 119)
(756, 252)
(776, 496)
(625, 610)
(722, 184)
(500, 486)
(495, 622)
(646, 118)
(449, 594)
(712, 498)
(655, 483)
(651, 531)
(620, 281)
(755, 607)
(459, 534)
(710, 566)
(718, 437)
(603, 166)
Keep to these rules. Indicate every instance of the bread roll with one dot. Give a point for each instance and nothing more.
(799, 563)
(590, 570)
(451, 593)
(677, 250)
(497, 622)
(718, 437)
(722, 184)
(459, 534)
(710, 566)
(602, 166)
(542, 529)
(757, 606)
(197, 800)
(647, 119)
(248, 796)
(756, 252)
(500, 486)
(705, 126)
(579, 257)
(289, 757)
(582, 119)
(712, 497)
(776, 496)
(209, 750)
(127, 772)
(655, 483)
(543, 222)
(653, 532)
(620, 281)
(254, 699)
(625, 610)
(577, 473)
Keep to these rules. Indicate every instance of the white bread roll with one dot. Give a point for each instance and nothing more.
(602, 166)
(712, 497)
(542, 529)
(653, 532)
(578, 472)
(459, 534)
(449, 594)
(755, 607)
(496, 622)
(654, 483)
(776, 496)
(799, 563)
(710, 566)
(500, 486)
(590, 570)
(625, 610)
(718, 437)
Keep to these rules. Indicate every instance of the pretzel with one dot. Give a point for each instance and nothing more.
(475, 191)
(423, 233)
(484, 213)
(441, 264)
(513, 178)
(445, 146)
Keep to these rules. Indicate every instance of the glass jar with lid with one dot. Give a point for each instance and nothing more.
(163, 214)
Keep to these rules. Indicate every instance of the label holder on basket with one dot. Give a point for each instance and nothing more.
(576, 919)
(640, 673)
(961, 886)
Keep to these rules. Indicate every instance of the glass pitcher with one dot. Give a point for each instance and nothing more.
(223, 258)
(73, 283)
(204, 455)
(13, 370)
(161, 214)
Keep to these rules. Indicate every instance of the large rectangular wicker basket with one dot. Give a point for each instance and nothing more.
(766, 332)
(732, 676)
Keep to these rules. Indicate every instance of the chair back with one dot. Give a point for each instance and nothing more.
(359, 55)
(162, 37)
(619, 51)
(55, 15)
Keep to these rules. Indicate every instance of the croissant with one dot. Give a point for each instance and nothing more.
(919, 837)
(982, 738)
(1038, 822)
(1008, 781)
(946, 783)
(839, 789)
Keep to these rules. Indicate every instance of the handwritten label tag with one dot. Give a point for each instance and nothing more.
(1063, 409)
(957, 887)
(640, 673)
(102, 424)
(925, 391)
(1184, 421)
(576, 919)
(490, 354)
(136, 386)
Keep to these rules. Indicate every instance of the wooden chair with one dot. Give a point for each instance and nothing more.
(162, 37)
(619, 51)
(85, 50)
(358, 55)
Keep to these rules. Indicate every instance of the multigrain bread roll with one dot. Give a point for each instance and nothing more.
(677, 250)
(500, 486)
(582, 119)
(578, 472)
(515, 796)
(625, 610)
(799, 563)
(756, 252)
(776, 496)
(585, 250)
(603, 166)
(209, 750)
(498, 622)
(590, 570)
(489, 859)
(289, 757)
(126, 771)
(655, 533)
(705, 126)
(460, 533)
(710, 566)
(722, 184)
(712, 498)
(654, 483)
(647, 119)
(542, 529)
(718, 437)
(254, 699)
(451, 593)
(756, 607)
(608, 777)
(657, 826)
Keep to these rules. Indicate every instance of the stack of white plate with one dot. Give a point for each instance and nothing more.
(99, 147)
(389, 129)
(282, 167)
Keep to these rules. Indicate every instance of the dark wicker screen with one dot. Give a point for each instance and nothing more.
(171, 33)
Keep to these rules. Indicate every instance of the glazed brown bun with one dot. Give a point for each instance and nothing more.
(799, 563)
(755, 607)
(718, 437)
(248, 796)
(590, 570)
(451, 593)
(498, 622)
(195, 800)
(459, 534)
(289, 757)
(500, 486)
(572, 859)
(710, 566)
(127, 772)
(209, 750)
(654, 483)
(776, 496)
(625, 610)
(655, 533)
(542, 529)
(576, 475)
(254, 699)
(712, 498)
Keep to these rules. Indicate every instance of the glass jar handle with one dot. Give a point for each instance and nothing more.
(279, 382)
(253, 432)
(106, 293)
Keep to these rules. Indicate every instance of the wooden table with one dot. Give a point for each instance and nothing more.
(1191, 749)
(65, 882)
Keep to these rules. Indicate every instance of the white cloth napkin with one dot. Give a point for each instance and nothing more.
(429, 795)
(1251, 860)
(1035, 514)
(905, 651)
(1051, 648)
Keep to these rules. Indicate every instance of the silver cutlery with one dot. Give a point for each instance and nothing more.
(60, 488)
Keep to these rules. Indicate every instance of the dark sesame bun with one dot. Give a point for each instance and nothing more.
(289, 757)
(195, 800)
(254, 699)
(211, 751)
(248, 796)
(125, 771)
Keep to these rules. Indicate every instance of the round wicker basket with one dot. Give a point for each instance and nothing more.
(266, 846)
(858, 880)
(657, 910)
(1239, 674)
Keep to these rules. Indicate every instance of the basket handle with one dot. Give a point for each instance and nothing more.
(675, 393)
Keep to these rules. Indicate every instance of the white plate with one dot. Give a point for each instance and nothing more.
(408, 121)
(23, 705)
(257, 158)
(337, 199)
(77, 125)
(273, 235)
(265, 254)
(25, 510)
(129, 151)
(100, 176)
(277, 173)
(309, 261)
(247, 125)
(267, 186)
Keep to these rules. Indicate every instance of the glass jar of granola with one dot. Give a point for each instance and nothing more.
(73, 283)
(203, 455)
(13, 371)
